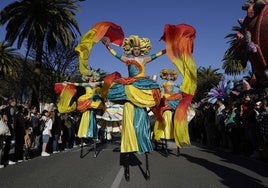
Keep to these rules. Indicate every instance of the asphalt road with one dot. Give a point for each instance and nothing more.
(197, 167)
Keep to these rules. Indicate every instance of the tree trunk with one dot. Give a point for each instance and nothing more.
(37, 74)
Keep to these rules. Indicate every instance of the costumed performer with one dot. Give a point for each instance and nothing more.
(163, 127)
(67, 103)
(87, 103)
(136, 92)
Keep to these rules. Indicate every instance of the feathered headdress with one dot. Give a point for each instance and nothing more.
(92, 72)
(222, 90)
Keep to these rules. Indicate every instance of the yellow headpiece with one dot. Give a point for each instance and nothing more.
(134, 41)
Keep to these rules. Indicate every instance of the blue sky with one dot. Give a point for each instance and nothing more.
(212, 21)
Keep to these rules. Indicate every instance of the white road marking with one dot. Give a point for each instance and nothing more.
(118, 178)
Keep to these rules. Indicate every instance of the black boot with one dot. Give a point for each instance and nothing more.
(165, 148)
(155, 145)
(147, 173)
(178, 152)
(126, 173)
(126, 159)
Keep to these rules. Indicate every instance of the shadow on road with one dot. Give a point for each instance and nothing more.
(230, 177)
(248, 163)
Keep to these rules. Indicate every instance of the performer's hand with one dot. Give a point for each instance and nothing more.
(105, 41)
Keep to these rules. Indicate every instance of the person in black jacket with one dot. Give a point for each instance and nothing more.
(57, 131)
(10, 112)
(19, 130)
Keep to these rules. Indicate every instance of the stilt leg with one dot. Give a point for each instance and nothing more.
(156, 145)
(82, 147)
(178, 152)
(166, 147)
(147, 175)
(127, 176)
(95, 148)
(126, 166)
(162, 144)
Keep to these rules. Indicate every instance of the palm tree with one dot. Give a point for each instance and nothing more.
(233, 68)
(236, 56)
(10, 69)
(40, 24)
(207, 78)
(9, 60)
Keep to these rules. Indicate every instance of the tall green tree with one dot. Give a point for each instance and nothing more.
(236, 56)
(207, 77)
(10, 69)
(40, 24)
(9, 60)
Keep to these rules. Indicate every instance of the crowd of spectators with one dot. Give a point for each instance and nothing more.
(33, 133)
(237, 124)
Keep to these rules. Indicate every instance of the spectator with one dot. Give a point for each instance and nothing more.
(19, 130)
(34, 119)
(252, 132)
(46, 133)
(244, 110)
(219, 122)
(1, 148)
(57, 131)
(69, 134)
(2, 137)
(10, 113)
(27, 143)
(209, 124)
(263, 122)
(232, 128)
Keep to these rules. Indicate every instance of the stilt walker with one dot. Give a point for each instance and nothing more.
(135, 135)
(87, 103)
(130, 91)
(164, 127)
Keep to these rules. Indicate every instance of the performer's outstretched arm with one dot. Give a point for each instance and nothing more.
(156, 55)
(105, 41)
(83, 84)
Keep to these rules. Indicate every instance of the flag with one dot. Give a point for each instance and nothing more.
(94, 35)
(179, 41)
